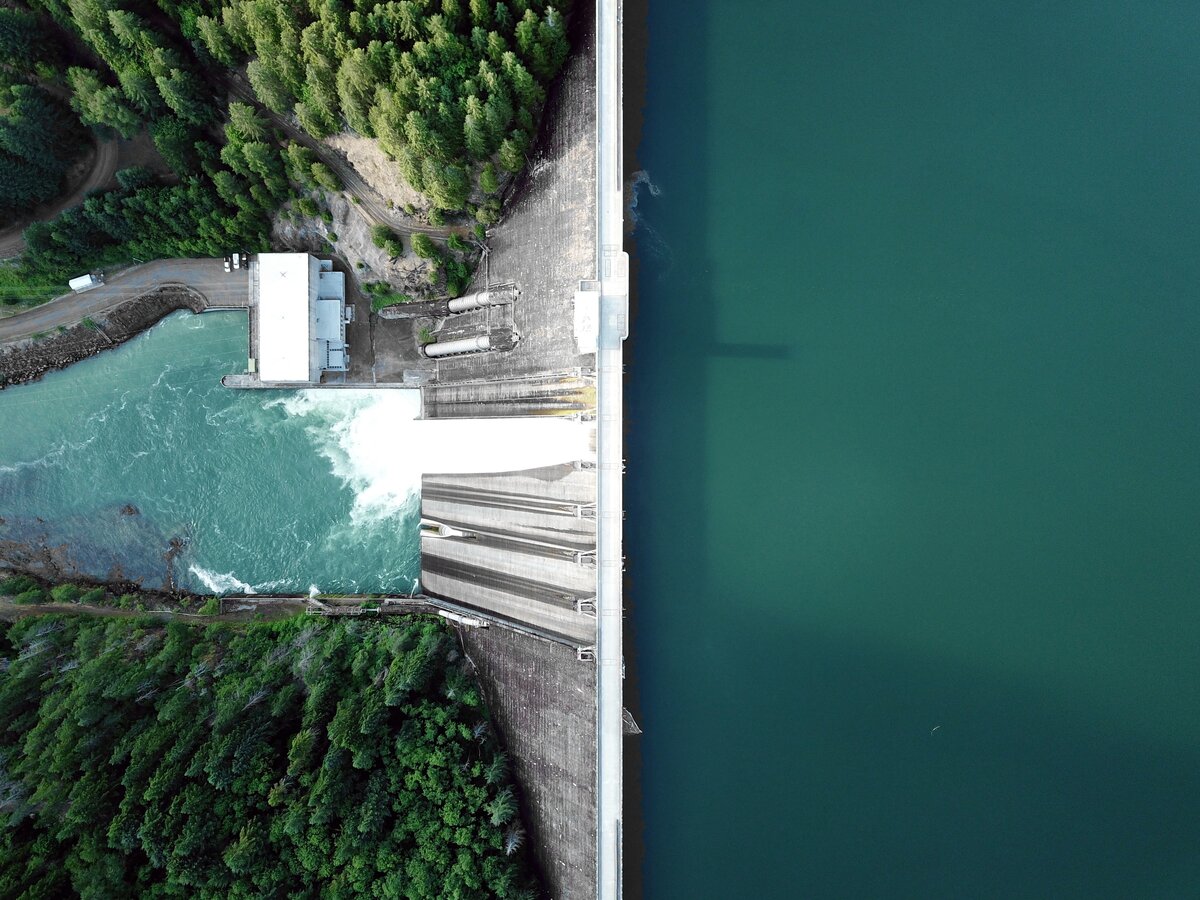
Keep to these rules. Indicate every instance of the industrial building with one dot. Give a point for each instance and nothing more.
(298, 321)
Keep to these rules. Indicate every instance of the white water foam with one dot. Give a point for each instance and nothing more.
(60, 452)
(379, 448)
(650, 241)
(641, 179)
(219, 583)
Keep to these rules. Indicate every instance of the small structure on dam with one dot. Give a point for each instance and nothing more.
(298, 319)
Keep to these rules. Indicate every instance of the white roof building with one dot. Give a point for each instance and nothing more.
(301, 305)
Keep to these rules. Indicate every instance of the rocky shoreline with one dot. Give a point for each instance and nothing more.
(30, 359)
(153, 597)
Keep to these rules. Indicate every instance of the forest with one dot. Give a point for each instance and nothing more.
(38, 141)
(452, 90)
(300, 758)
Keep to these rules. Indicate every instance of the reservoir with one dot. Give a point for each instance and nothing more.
(914, 475)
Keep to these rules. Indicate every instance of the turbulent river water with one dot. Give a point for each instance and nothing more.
(914, 476)
(121, 455)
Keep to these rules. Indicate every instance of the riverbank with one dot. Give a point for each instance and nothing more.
(29, 590)
(30, 359)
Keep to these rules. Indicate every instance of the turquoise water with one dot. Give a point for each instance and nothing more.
(914, 490)
(269, 491)
(110, 463)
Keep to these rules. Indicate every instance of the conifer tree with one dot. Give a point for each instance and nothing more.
(185, 95)
(100, 105)
(268, 86)
(246, 119)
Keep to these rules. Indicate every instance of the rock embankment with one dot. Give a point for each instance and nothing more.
(28, 360)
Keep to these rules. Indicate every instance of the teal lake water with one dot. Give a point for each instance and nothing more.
(271, 491)
(914, 479)
(265, 491)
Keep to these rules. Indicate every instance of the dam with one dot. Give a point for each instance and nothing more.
(510, 433)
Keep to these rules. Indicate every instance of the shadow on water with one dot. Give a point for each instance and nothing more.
(651, 502)
(731, 350)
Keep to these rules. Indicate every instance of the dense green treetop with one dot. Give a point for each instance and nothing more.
(38, 140)
(298, 759)
(445, 86)
(451, 89)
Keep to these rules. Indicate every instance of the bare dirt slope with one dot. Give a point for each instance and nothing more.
(377, 170)
(352, 227)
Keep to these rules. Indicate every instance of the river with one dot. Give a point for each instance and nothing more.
(119, 456)
(914, 491)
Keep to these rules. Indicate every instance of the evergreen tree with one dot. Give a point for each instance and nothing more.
(425, 248)
(175, 140)
(140, 90)
(129, 29)
(512, 151)
(488, 180)
(100, 105)
(23, 184)
(216, 40)
(355, 85)
(446, 185)
(23, 41)
(269, 87)
(184, 94)
(299, 161)
(325, 177)
(246, 119)
(476, 131)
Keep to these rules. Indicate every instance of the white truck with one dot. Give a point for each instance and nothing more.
(85, 283)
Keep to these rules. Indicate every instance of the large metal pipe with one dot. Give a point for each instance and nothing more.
(496, 296)
(503, 338)
(475, 344)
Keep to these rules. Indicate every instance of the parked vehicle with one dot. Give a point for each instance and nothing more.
(85, 283)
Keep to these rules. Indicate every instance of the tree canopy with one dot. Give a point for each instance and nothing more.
(302, 758)
(451, 89)
(38, 140)
(445, 87)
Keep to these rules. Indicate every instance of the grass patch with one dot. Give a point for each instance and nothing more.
(19, 290)
(382, 295)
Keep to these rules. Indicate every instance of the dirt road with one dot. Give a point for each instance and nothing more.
(105, 159)
(369, 201)
(207, 276)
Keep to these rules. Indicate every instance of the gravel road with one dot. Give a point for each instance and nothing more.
(208, 276)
